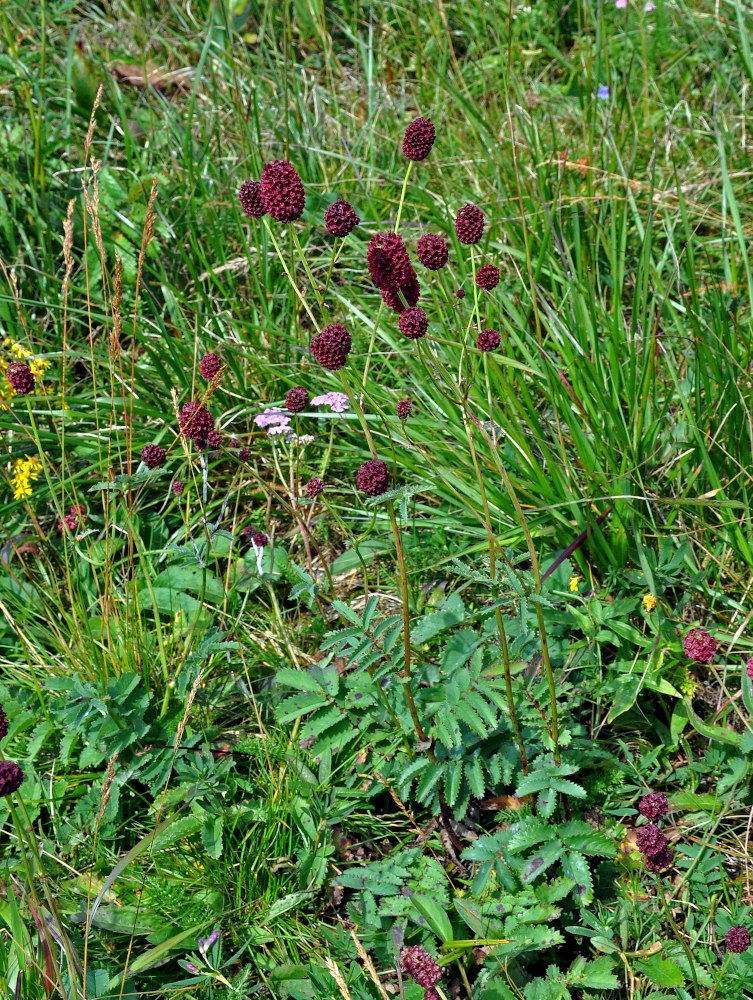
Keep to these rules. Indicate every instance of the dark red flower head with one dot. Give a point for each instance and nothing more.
(282, 191)
(20, 377)
(487, 277)
(460, 293)
(153, 456)
(209, 365)
(469, 224)
(340, 218)
(653, 806)
(660, 860)
(3, 724)
(413, 323)
(699, 645)
(488, 340)
(252, 200)
(650, 839)
(418, 963)
(314, 487)
(393, 297)
(332, 346)
(196, 422)
(297, 399)
(388, 261)
(418, 139)
(244, 454)
(737, 940)
(214, 439)
(433, 251)
(373, 478)
(11, 777)
(260, 539)
(404, 408)
(178, 487)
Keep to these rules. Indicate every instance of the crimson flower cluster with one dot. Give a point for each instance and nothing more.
(417, 963)
(413, 323)
(297, 399)
(209, 365)
(72, 521)
(21, 378)
(340, 218)
(314, 487)
(699, 645)
(737, 939)
(153, 456)
(196, 422)
(432, 251)
(373, 478)
(282, 191)
(404, 408)
(650, 841)
(391, 271)
(332, 346)
(487, 277)
(11, 775)
(418, 139)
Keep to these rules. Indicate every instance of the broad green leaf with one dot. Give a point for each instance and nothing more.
(661, 971)
(211, 836)
(434, 915)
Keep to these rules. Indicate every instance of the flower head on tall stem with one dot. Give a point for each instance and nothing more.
(340, 218)
(21, 378)
(469, 224)
(252, 200)
(195, 422)
(153, 456)
(404, 408)
(373, 477)
(419, 139)
(488, 340)
(413, 323)
(11, 777)
(699, 645)
(209, 365)
(332, 346)
(282, 191)
(314, 487)
(737, 940)
(487, 277)
(432, 251)
(297, 399)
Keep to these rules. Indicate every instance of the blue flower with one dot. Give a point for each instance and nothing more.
(603, 92)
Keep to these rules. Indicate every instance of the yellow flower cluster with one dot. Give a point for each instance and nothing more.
(11, 351)
(574, 581)
(26, 471)
(649, 602)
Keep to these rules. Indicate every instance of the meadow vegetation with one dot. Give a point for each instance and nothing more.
(375, 609)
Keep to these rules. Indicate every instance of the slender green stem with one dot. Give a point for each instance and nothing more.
(406, 625)
(332, 260)
(372, 341)
(498, 613)
(678, 936)
(402, 195)
(289, 276)
(306, 267)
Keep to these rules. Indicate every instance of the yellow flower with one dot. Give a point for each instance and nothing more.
(574, 581)
(649, 602)
(26, 471)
